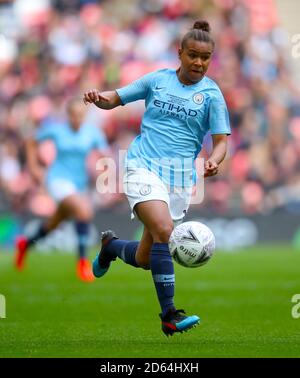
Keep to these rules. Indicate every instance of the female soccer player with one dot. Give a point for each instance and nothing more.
(181, 106)
(66, 181)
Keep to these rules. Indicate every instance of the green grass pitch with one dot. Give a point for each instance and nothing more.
(242, 298)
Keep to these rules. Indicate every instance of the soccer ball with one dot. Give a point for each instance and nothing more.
(192, 244)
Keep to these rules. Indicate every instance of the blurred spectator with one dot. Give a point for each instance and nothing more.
(52, 50)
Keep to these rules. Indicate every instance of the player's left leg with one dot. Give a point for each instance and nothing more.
(156, 217)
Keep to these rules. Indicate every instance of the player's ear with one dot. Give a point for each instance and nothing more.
(180, 50)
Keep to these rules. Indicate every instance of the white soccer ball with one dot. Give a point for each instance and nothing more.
(192, 244)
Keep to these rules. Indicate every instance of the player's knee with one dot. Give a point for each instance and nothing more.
(163, 232)
(84, 215)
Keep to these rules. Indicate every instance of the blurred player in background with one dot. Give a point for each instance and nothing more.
(66, 181)
(181, 106)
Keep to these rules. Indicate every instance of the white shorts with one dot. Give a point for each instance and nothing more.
(141, 185)
(59, 189)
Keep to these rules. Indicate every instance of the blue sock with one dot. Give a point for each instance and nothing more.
(162, 270)
(39, 234)
(123, 249)
(82, 229)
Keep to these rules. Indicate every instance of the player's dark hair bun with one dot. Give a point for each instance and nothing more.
(202, 25)
(200, 32)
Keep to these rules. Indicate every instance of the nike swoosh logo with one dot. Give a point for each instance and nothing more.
(159, 88)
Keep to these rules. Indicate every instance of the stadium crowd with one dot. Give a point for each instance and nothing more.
(53, 50)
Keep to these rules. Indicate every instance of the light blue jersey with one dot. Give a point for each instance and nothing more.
(176, 119)
(72, 148)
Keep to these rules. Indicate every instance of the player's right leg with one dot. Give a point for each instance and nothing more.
(133, 253)
(103, 259)
(143, 252)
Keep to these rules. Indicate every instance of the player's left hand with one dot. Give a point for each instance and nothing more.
(210, 168)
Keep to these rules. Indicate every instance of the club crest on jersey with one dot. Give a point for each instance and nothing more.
(198, 98)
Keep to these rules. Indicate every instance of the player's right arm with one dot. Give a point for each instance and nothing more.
(104, 100)
(137, 90)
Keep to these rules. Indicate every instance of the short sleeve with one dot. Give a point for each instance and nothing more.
(218, 115)
(137, 90)
(45, 132)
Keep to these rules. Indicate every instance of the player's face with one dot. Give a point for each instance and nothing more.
(76, 115)
(195, 58)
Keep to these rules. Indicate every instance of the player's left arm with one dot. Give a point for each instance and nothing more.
(211, 165)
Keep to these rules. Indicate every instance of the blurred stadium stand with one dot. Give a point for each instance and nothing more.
(288, 14)
(52, 50)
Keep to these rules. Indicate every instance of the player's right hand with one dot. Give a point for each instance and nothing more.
(92, 96)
